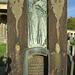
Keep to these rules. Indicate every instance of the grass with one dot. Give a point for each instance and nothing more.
(2, 52)
(2, 49)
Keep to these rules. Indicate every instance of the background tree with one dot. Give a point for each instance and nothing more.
(71, 23)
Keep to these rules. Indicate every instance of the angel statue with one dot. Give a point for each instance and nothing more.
(37, 22)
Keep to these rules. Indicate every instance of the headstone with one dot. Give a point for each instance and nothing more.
(71, 37)
(68, 46)
(73, 52)
(69, 34)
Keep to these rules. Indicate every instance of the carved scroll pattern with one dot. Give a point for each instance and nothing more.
(57, 6)
(16, 7)
(37, 23)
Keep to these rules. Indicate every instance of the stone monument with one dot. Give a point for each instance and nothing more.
(37, 37)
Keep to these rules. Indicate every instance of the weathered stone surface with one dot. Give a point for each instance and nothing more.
(57, 36)
(57, 32)
(17, 34)
(15, 7)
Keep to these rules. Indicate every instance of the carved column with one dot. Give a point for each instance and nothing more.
(0, 29)
(17, 35)
(57, 36)
(4, 30)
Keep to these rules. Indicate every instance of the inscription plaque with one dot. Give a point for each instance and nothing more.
(36, 62)
(36, 65)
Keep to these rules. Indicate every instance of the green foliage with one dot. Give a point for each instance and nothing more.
(70, 48)
(71, 23)
(2, 53)
(73, 43)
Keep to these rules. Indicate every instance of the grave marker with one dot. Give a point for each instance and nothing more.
(37, 23)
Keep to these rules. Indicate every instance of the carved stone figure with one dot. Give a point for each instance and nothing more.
(37, 23)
